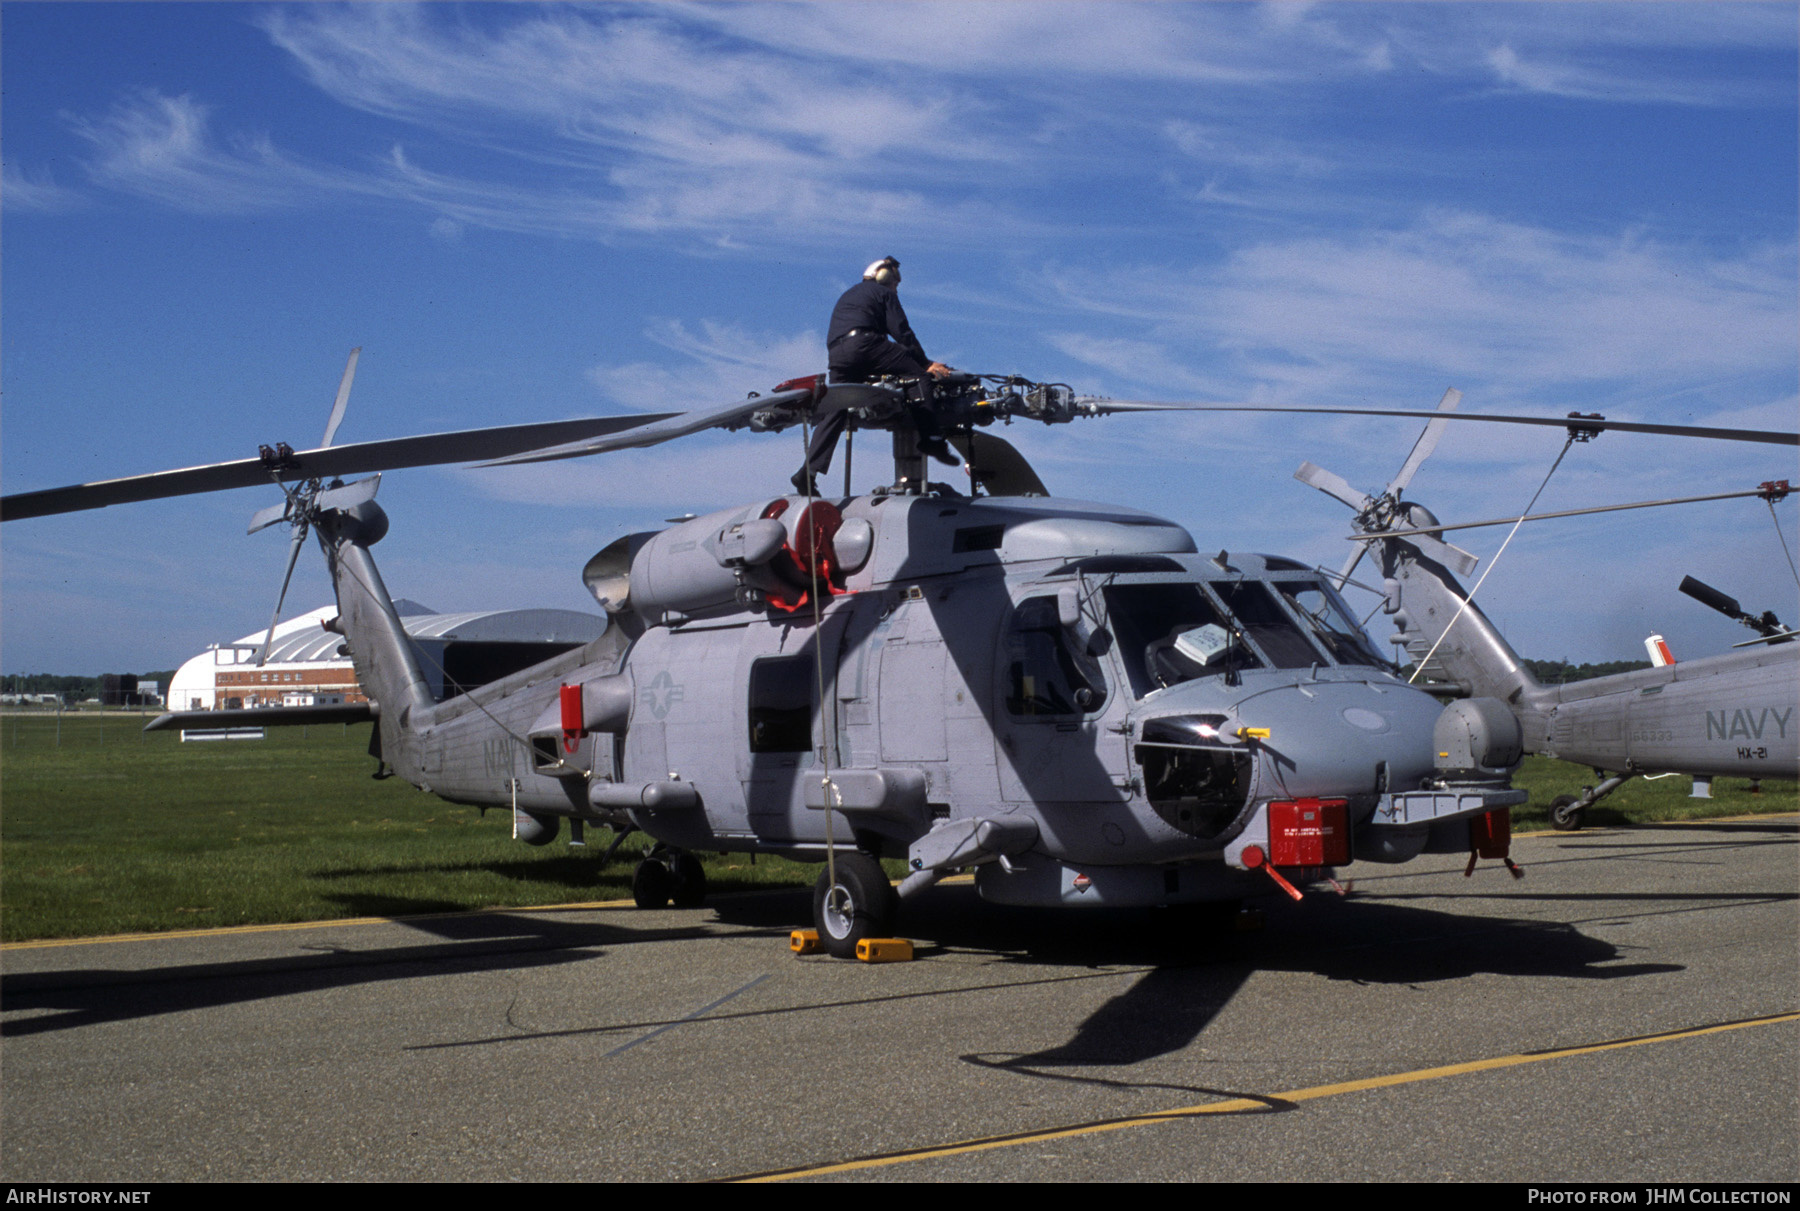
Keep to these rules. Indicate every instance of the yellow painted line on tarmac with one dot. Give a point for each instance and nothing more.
(226, 930)
(1250, 1104)
(219, 931)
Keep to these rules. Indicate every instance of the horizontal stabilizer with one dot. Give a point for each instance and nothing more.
(263, 716)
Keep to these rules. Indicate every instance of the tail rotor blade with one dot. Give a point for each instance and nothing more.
(1332, 485)
(350, 495)
(264, 518)
(343, 398)
(262, 654)
(1427, 442)
(1452, 557)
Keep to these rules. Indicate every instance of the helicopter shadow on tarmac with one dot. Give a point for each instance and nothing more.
(1367, 938)
(1196, 967)
(463, 942)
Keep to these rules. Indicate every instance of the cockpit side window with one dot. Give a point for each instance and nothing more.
(1266, 623)
(1331, 623)
(1169, 633)
(1047, 672)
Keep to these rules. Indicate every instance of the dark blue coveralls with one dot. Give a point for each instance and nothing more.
(869, 338)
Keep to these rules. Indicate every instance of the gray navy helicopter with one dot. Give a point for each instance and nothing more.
(1728, 715)
(1067, 698)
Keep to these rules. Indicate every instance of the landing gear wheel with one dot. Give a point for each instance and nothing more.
(860, 904)
(1565, 815)
(651, 884)
(688, 888)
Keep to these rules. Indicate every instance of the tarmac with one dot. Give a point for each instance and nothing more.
(1629, 1012)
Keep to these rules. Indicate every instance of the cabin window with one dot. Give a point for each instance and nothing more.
(1047, 672)
(782, 693)
(1169, 633)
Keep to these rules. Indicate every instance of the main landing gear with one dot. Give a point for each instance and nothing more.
(668, 876)
(859, 903)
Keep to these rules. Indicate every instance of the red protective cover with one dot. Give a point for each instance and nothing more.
(1490, 834)
(1309, 832)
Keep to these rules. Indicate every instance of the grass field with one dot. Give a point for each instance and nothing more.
(104, 829)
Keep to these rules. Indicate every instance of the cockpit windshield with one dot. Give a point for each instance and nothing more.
(1266, 623)
(1325, 614)
(1170, 633)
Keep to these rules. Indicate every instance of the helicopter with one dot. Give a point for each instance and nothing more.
(1066, 698)
(1728, 715)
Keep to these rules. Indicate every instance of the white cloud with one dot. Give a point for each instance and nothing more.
(162, 147)
(27, 191)
(751, 124)
(1569, 76)
(1465, 296)
(629, 94)
(716, 364)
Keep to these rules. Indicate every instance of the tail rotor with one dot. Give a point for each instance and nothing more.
(305, 499)
(1377, 514)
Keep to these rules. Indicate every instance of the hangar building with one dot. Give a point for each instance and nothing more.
(457, 652)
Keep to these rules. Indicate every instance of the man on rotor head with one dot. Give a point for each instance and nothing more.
(870, 338)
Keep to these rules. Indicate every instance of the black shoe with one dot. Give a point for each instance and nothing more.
(803, 484)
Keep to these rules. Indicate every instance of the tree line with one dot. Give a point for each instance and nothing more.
(71, 689)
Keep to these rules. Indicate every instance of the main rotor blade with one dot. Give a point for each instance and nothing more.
(1706, 595)
(467, 445)
(1772, 437)
(343, 397)
(1428, 440)
(1507, 521)
(666, 428)
(997, 465)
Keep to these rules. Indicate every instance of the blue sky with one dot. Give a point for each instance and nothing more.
(526, 213)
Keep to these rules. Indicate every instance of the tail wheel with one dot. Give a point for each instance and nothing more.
(688, 889)
(860, 904)
(1566, 813)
